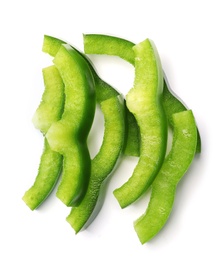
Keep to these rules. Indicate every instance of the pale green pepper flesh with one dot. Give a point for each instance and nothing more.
(102, 164)
(68, 136)
(49, 111)
(52, 103)
(173, 169)
(144, 101)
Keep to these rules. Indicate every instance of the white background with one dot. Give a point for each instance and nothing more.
(187, 36)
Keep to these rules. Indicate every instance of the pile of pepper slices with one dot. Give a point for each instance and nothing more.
(135, 125)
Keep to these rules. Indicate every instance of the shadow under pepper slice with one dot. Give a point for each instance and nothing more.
(173, 169)
(49, 111)
(111, 45)
(144, 102)
(68, 136)
(102, 164)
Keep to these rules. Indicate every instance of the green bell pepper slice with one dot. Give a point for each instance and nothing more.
(104, 91)
(165, 184)
(49, 111)
(144, 102)
(51, 45)
(111, 45)
(114, 136)
(102, 164)
(68, 136)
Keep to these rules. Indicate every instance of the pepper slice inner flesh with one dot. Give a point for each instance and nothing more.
(144, 102)
(68, 136)
(173, 169)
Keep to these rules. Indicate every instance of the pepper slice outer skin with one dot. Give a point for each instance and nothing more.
(165, 184)
(68, 136)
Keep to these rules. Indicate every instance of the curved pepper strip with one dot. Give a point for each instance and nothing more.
(104, 91)
(173, 169)
(111, 45)
(144, 101)
(113, 110)
(49, 111)
(51, 45)
(68, 136)
(102, 164)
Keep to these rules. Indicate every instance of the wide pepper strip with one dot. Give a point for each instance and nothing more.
(144, 101)
(112, 45)
(102, 164)
(48, 112)
(173, 169)
(68, 136)
(104, 91)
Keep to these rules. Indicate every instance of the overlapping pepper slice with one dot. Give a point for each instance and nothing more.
(111, 45)
(51, 45)
(144, 102)
(49, 111)
(68, 136)
(113, 109)
(104, 91)
(102, 164)
(173, 169)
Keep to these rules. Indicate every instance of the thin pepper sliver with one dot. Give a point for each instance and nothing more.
(112, 45)
(144, 102)
(173, 169)
(103, 164)
(68, 136)
(49, 111)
